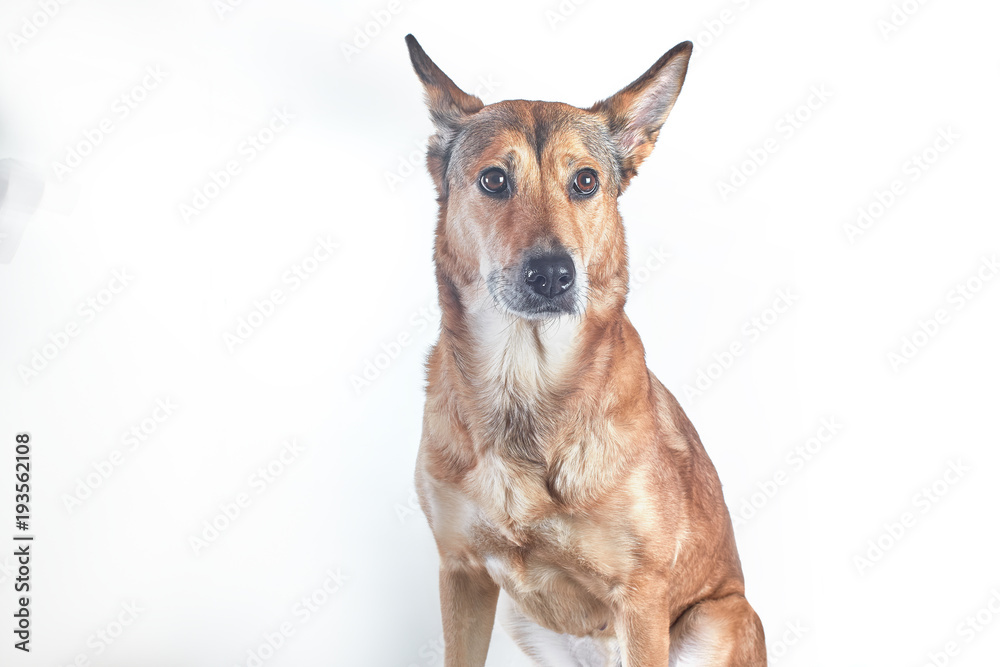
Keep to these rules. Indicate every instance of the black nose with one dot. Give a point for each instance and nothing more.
(550, 275)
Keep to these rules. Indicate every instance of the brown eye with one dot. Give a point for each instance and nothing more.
(585, 182)
(494, 181)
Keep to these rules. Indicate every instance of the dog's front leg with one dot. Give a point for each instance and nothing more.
(643, 630)
(468, 606)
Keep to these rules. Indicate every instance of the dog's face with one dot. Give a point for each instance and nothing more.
(528, 190)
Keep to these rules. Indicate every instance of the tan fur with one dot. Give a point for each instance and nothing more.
(553, 463)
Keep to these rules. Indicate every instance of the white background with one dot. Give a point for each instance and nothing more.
(344, 504)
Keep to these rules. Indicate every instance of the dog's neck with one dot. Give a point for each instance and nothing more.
(509, 374)
(552, 398)
(525, 357)
(513, 373)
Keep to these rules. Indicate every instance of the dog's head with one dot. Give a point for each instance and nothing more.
(528, 190)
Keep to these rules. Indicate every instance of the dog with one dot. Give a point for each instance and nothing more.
(553, 465)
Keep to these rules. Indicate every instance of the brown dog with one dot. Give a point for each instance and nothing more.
(553, 463)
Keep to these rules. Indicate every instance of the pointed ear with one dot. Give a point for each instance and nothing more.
(449, 107)
(636, 113)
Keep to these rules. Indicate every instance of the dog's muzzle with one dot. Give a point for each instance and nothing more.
(543, 285)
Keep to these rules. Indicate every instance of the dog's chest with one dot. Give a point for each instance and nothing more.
(557, 565)
(560, 569)
(507, 513)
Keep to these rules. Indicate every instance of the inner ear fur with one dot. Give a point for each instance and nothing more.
(449, 107)
(636, 113)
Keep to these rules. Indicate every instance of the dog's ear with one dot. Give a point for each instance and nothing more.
(636, 113)
(449, 106)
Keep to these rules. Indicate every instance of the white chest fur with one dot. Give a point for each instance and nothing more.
(522, 354)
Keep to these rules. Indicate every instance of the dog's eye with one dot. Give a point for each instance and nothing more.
(493, 181)
(585, 182)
